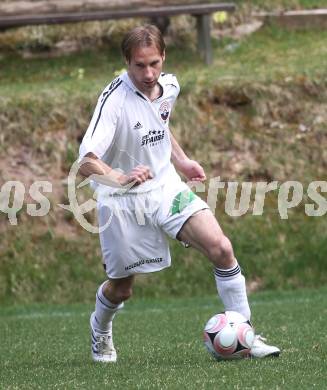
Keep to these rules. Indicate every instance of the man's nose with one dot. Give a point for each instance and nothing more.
(148, 72)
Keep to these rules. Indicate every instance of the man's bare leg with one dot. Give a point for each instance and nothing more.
(110, 299)
(203, 232)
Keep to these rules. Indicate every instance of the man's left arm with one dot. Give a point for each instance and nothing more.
(191, 169)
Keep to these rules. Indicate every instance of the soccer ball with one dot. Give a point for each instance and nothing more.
(228, 335)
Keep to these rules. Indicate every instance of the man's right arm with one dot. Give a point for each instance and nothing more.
(96, 142)
(99, 171)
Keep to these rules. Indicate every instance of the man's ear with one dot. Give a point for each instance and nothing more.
(163, 56)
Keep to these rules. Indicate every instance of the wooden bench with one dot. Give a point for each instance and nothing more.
(202, 12)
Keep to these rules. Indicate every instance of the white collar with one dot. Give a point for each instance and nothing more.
(125, 77)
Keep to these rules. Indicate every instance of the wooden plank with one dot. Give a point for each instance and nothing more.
(18, 7)
(297, 20)
(202, 12)
(57, 18)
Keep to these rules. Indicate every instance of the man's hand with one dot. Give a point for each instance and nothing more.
(191, 170)
(137, 176)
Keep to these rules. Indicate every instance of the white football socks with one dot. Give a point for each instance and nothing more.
(104, 312)
(232, 290)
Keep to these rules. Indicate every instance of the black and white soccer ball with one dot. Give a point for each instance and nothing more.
(228, 335)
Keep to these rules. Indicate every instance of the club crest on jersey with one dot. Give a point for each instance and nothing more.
(164, 111)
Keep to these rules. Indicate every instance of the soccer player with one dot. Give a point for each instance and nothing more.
(129, 147)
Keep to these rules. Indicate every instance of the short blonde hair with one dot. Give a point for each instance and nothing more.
(145, 36)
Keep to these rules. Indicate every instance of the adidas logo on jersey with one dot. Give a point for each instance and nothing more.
(138, 126)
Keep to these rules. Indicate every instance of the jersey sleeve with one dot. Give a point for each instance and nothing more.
(171, 83)
(102, 128)
(175, 83)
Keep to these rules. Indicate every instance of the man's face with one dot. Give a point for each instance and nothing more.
(145, 67)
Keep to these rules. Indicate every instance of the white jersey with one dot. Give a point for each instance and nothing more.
(127, 130)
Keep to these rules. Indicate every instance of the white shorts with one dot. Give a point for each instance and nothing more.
(135, 238)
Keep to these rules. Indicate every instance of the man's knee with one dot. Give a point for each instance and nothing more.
(124, 293)
(221, 252)
(118, 291)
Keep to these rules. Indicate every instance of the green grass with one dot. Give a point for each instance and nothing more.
(159, 343)
(47, 267)
(39, 95)
(267, 55)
